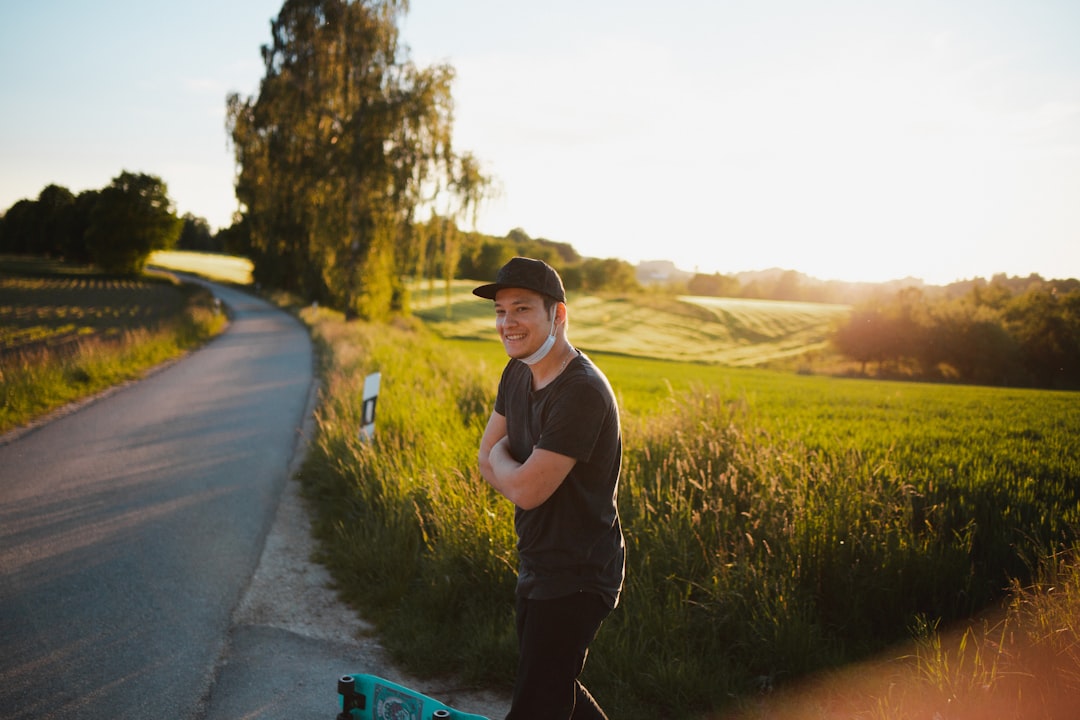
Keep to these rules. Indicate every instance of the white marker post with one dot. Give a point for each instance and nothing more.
(367, 411)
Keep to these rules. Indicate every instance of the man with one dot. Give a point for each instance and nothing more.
(553, 447)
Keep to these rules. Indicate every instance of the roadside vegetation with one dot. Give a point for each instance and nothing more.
(779, 526)
(68, 332)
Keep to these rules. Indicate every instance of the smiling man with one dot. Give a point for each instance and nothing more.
(553, 447)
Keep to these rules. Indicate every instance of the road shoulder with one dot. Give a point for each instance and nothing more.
(292, 638)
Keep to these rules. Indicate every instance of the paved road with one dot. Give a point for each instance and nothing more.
(130, 529)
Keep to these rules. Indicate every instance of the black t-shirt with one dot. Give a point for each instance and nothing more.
(572, 542)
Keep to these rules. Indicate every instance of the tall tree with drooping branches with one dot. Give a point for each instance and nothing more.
(345, 141)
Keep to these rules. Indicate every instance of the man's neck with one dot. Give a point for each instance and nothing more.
(545, 371)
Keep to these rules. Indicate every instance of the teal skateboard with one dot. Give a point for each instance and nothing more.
(367, 697)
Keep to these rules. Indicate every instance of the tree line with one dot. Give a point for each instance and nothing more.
(1007, 331)
(84, 229)
(114, 228)
(117, 227)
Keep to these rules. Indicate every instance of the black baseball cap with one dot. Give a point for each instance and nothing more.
(527, 273)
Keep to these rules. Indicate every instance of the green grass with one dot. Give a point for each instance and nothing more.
(220, 268)
(778, 524)
(1020, 660)
(721, 331)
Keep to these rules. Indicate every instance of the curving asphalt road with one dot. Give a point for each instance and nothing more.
(130, 529)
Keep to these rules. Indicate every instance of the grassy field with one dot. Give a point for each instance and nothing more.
(220, 268)
(779, 525)
(67, 332)
(45, 304)
(722, 331)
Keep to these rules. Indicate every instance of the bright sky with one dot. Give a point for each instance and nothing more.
(848, 140)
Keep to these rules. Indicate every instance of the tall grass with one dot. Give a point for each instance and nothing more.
(1020, 660)
(777, 525)
(416, 538)
(34, 383)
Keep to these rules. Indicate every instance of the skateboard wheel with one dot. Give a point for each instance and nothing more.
(346, 685)
(438, 714)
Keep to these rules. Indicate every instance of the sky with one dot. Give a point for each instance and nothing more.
(854, 140)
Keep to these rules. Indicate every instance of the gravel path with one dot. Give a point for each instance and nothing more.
(289, 592)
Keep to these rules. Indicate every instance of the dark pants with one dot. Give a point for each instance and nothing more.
(553, 641)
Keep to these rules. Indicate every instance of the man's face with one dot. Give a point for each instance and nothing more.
(521, 320)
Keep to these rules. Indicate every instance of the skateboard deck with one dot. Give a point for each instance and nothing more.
(369, 697)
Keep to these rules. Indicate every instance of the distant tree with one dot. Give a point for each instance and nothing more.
(864, 337)
(610, 274)
(573, 277)
(972, 340)
(543, 250)
(132, 217)
(1046, 325)
(564, 253)
(492, 256)
(518, 236)
(988, 336)
(788, 286)
(715, 285)
(20, 228)
(996, 294)
(906, 323)
(196, 235)
(55, 206)
(235, 239)
(81, 210)
(469, 187)
(752, 290)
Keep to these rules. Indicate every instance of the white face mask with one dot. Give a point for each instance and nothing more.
(544, 349)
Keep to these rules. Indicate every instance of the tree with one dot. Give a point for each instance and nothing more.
(1047, 327)
(987, 336)
(195, 235)
(971, 339)
(344, 142)
(788, 286)
(610, 274)
(132, 217)
(55, 217)
(46, 226)
(81, 211)
(491, 257)
(20, 228)
(715, 285)
(235, 239)
(864, 337)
